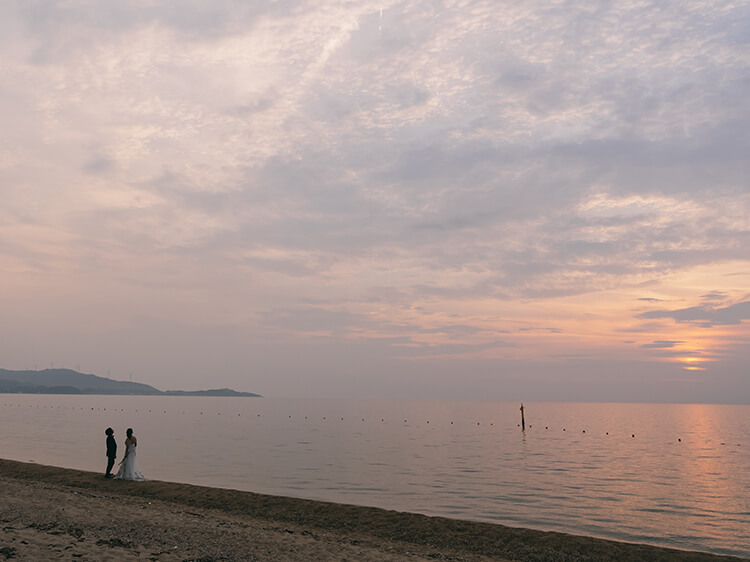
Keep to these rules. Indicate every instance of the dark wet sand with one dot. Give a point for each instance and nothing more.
(55, 513)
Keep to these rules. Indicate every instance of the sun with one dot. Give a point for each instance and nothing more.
(692, 363)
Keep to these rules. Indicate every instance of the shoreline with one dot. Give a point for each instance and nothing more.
(103, 519)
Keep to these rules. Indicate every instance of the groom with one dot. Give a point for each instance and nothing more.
(111, 452)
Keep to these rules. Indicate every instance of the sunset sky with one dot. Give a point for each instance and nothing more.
(456, 199)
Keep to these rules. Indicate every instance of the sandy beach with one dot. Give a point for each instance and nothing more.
(51, 513)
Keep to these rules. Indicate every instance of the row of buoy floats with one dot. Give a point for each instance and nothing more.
(323, 418)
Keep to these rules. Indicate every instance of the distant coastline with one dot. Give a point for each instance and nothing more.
(68, 381)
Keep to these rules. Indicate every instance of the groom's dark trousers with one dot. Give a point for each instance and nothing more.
(111, 453)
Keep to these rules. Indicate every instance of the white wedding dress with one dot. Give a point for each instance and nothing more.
(129, 469)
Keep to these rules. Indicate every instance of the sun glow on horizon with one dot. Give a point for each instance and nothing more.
(692, 363)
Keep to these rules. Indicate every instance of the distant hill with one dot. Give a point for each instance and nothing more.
(212, 392)
(67, 381)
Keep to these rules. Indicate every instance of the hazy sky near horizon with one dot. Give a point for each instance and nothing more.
(473, 199)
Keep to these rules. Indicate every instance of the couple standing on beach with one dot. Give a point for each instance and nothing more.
(129, 469)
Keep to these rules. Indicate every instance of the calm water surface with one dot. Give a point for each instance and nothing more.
(670, 475)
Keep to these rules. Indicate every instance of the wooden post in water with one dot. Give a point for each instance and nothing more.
(523, 421)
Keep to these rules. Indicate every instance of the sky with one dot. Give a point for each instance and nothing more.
(542, 200)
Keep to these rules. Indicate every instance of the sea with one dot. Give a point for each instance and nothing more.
(673, 475)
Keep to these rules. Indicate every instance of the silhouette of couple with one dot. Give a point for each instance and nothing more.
(129, 469)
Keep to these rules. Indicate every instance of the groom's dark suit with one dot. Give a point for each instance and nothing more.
(111, 453)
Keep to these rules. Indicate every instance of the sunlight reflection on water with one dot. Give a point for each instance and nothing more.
(671, 475)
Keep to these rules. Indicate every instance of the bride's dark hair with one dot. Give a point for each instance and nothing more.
(129, 432)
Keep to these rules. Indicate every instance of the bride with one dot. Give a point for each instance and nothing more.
(129, 469)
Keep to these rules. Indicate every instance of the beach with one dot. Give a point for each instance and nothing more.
(57, 513)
